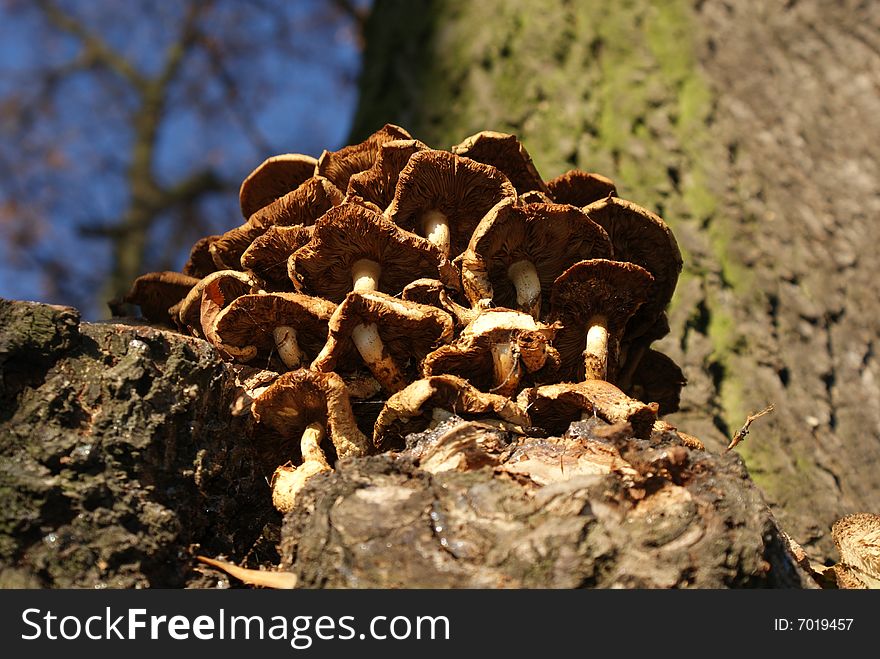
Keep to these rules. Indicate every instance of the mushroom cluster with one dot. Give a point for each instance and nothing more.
(395, 278)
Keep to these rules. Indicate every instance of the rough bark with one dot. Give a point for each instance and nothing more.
(119, 456)
(752, 128)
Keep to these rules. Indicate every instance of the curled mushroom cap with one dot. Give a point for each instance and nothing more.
(857, 538)
(302, 397)
(291, 325)
(638, 236)
(505, 152)
(496, 350)
(267, 255)
(200, 264)
(376, 185)
(517, 252)
(593, 300)
(340, 166)
(391, 335)
(155, 293)
(411, 410)
(443, 197)
(273, 178)
(580, 188)
(228, 285)
(554, 406)
(352, 244)
(434, 293)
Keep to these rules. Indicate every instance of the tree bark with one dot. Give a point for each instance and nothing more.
(752, 129)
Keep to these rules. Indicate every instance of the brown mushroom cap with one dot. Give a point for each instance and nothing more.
(638, 236)
(658, 379)
(410, 410)
(408, 330)
(460, 188)
(580, 188)
(301, 397)
(554, 406)
(340, 166)
(227, 249)
(273, 178)
(535, 197)
(595, 288)
(155, 293)
(505, 152)
(349, 233)
(857, 538)
(549, 236)
(249, 320)
(302, 206)
(200, 264)
(376, 185)
(267, 255)
(232, 284)
(434, 293)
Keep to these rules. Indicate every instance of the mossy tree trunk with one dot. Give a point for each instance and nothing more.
(752, 129)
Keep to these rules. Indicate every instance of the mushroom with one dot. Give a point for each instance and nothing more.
(658, 379)
(638, 236)
(593, 300)
(535, 197)
(387, 333)
(340, 166)
(554, 406)
(267, 255)
(354, 248)
(231, 284)
(273, 178)
(516, 252)
(200, 264)
(443, 197)
(505, 152)
(376, 185)
(494, 349)
(291, 324)
(413, 408)
(434, 293)
(155, 293)
(580, 188)
(227, 249)
(857, 538)
(309, 405)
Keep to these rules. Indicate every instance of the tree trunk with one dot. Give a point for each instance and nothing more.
(751, 128)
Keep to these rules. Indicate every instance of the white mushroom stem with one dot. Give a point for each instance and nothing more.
(435, 226)
(596, 353)
(310, 444)
(365, 275)
(288, 481)
(368, 342)
(505, 363)
(288, 347)
(528, 286)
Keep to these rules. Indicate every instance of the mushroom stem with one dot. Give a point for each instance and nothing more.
(288, 347)
(435, 226)
(368, 342)
(596, 353)
(528, 286)
(505, 362)
(365, 275)
(310, 444)
(287, 481)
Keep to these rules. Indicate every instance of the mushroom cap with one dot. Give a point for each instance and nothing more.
(657, 378)
(376, 185)
(227, 249)
(597, 287)
(155, 293)
(408, 330)
(348, 233)
(554, 406)
(267, 255)
(200, 263)
(470, 356)
(410, 410)
(340, 166)
(301, 206)
(249, 320)
(550, 236)
(301, 397)
(460, 188)
(231, 284)
(641, 237)
(434, 293)
(273, 178)
(580, 188)
(288, 481)
(505, 152)
(535, 197)
(857, 538)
